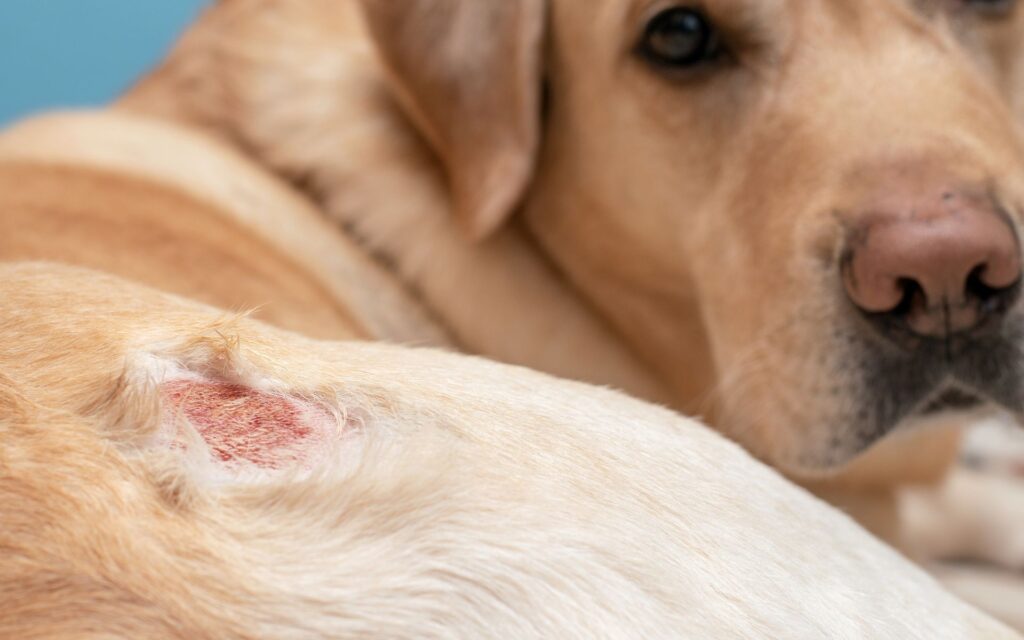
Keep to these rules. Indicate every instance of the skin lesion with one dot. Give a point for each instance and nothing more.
(246, 427)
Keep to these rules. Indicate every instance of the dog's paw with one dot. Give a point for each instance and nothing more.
(995, 447)
(973, 515)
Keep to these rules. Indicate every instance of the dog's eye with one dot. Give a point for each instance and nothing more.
(680, 37)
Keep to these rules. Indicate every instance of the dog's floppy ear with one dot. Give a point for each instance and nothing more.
(468, 73)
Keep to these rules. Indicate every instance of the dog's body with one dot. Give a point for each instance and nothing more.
(581, 286)
(169, 208)
(299, 86)
(388, 493)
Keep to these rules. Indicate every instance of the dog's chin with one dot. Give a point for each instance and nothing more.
(948, 405)
(890, 391)
(851, 389)
(952, 400)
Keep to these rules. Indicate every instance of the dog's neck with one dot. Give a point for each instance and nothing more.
(316, 110)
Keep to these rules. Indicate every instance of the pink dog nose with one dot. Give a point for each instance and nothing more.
(940, 265)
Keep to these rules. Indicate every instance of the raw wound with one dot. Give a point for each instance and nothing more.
(244, 425)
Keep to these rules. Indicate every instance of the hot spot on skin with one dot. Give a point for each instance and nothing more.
(243, 426)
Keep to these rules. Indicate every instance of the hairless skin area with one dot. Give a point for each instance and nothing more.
(248, 429)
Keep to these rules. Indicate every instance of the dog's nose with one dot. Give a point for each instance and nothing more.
(938, 267)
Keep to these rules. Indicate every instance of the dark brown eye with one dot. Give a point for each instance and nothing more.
(680, 37)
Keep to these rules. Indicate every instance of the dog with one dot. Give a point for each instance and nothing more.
(169, 470)
(800, 221)
(332, 283)
(128, 414)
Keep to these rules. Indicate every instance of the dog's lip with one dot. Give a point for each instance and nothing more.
(950, 398)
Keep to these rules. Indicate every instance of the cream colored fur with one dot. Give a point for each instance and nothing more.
(677, 544)
(471, 500)
(174, 209)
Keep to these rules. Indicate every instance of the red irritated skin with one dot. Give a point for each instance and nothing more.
(244, 427)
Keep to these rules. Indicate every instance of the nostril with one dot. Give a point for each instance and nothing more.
(913, 297)
(870, 289)
(990, 299)
(912, 305)
(976, 287)
(914, 310)
(1000, 272)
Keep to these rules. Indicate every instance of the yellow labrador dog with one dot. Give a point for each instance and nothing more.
(167, 472)
(170, 471)
(798, 219)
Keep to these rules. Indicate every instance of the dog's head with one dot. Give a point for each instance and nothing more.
(812, 208)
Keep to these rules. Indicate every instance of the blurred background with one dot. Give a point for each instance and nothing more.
(66, 53)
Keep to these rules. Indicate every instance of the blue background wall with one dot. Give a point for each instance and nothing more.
(61, 53)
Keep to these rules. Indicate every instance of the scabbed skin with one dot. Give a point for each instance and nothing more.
(244, 426)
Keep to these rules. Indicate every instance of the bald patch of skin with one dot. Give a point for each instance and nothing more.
(246, 427)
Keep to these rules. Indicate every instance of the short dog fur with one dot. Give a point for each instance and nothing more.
(581, 284)
(449, 497)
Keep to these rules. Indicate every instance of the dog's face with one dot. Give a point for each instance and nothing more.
(811, 208)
